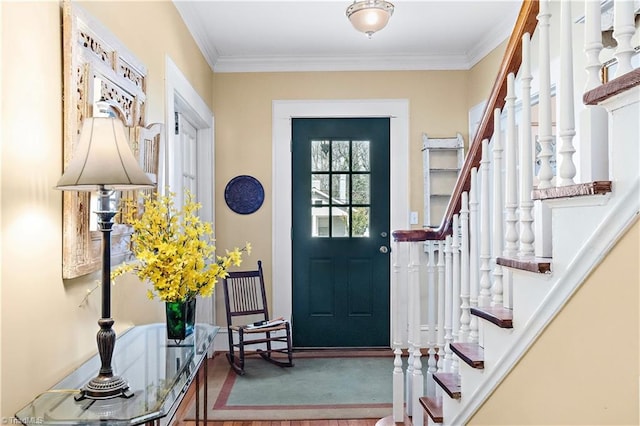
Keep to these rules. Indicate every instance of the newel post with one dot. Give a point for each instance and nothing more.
(594, 120)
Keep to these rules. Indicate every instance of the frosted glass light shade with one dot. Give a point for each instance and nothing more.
(369, 16)
(103, 158)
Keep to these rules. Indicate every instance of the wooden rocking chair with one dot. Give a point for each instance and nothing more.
(245, 300)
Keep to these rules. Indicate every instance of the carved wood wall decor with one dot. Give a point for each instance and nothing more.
(98, 67)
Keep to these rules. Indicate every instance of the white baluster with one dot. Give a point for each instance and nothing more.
(511, 178)
(398, 252)
(474, 277)
(565, 165)
(594, 119)
(511, 188)
(417, 389)
(410, 332)
(465, 316)
(623, 31)
(592, 42)
(545, 137)
(484, 297)
(542, 211)
(431, 317)
(409, 381)
(456, 309)
(498, 208)
(441, 282)
(398, 386)
(448, 302)
(526, 152)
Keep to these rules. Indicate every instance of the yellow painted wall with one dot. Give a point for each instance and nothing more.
(584, 369)
(242, 107)
(438, 102)
(44, 332)
(483, 74)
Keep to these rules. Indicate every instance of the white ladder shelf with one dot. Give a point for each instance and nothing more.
(442, 160)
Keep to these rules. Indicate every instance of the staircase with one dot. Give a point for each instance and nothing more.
(537, 207)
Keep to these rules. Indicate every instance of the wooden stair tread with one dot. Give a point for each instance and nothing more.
(539, 265)
(433, 407)
(450, 382)
(611, 88)
(499, 316)
(600, 187)
(471, 353)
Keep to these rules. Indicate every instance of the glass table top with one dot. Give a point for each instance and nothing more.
(158, 371)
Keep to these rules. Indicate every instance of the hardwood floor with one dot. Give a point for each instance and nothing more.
(361, 422)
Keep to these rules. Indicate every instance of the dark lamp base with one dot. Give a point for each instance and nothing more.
(102, 387)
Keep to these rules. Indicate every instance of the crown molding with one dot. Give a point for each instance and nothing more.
(230, 64)
(337, 63)
(492, 40)
(198, 32)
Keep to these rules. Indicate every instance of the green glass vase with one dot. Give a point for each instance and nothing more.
(180, 319)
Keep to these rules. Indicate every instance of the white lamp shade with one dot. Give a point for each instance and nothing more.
(370, 16)
(103, 158)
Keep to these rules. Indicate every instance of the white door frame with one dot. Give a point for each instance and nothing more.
(282, 113)
(182, 97)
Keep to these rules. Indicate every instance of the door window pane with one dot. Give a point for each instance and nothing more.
(320, 221)
(320, 156)
(340, 222)
(360, 189)
(360, 221)
(319, 189)
(340, 187)
(360, 156)
(340, 156)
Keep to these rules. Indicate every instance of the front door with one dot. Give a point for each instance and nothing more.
(340, 235)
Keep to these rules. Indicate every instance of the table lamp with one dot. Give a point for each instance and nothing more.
(103, 162)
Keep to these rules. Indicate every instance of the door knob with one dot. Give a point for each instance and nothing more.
(384, 249)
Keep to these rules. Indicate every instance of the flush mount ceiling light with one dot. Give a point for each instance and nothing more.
(369, 16)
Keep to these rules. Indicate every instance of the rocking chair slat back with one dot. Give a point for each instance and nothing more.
(245, 294)
(246, 301)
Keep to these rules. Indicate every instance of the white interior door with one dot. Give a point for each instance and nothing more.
(185, 166)
(189, 158)
(187, 140)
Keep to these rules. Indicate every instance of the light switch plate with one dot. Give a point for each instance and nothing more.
(413, 218)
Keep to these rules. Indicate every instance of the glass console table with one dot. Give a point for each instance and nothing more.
(159, 372)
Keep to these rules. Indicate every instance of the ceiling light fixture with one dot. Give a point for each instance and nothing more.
(369, 16)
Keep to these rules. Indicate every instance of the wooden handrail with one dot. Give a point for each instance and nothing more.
(526, 23)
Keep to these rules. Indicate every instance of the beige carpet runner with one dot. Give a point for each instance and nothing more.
(321, 385)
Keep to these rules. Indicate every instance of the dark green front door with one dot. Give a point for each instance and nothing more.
(340, 232)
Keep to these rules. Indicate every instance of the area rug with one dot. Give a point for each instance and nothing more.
(321, 385)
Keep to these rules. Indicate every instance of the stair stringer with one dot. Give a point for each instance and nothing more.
(584, 234)
(504, 350)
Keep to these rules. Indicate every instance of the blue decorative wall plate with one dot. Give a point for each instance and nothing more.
(244, 194)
